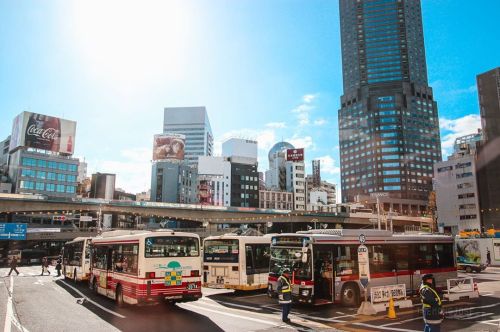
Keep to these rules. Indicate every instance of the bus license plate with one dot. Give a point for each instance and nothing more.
(192, 286)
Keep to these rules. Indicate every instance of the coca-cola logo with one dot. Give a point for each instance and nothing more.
(47, 133)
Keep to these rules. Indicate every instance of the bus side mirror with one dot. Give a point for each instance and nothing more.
(304, 258)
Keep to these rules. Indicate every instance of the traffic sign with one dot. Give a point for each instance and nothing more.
(362, 238)
(11, 231)
(363, 265)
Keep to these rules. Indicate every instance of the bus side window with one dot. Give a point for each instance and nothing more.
(249, 259)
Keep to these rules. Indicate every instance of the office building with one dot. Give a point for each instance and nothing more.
(388, 120)
(40, 156)
(102, 185)
(278, 200)
(455, 183)
(276, 174)
(488, 160)
(193, 123)
(82, 171)
(329, 188)
(173, 181)
(214, 181)
(295, 177)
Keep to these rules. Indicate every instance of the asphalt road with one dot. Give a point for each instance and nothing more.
(30, 302)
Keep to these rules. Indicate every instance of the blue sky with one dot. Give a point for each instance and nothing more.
(267, 70)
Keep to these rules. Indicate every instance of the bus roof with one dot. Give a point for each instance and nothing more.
(136, 235)
(79, 239)
(249, 238)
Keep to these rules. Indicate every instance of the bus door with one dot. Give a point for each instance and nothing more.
(323, 275)
(109, 272)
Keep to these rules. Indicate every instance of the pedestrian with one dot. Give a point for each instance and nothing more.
(45, 266)
(285, 294)
(431, 304)
(59, 266)
(488, 257)
(13, 265)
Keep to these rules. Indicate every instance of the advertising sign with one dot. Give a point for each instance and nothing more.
(295, 154)
(168, 146)
(10, 231)
(384, 293)
(363, 265)
(43, 132)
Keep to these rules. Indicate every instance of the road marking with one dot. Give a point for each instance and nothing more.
(93, 302)
(402, 322)
(195, 307)
(249, 296)
(377, 327)
(487, 294)
(8, 313)
(472, 308)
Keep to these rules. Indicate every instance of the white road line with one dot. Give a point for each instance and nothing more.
(8, 313)
(385, 327)
(249, 296)
(94, 303)
(195, 307)
(401, 322)
(487, 294)
(479, 315)
(472, 308)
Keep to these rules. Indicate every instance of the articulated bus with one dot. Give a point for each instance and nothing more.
(324, 263)
(76, 259)
(236, 262)
(138, 267)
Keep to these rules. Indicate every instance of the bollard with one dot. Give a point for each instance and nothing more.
(392, 312)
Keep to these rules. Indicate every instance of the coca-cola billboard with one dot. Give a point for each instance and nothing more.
(295, 154)
(168, 146)
(43, 132)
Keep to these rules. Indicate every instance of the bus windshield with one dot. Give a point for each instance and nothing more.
(171, 246)
(221, 251)
(290, 258)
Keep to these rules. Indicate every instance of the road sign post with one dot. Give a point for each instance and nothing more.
(366, 307)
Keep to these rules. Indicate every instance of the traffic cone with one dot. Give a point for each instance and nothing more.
(392, 312)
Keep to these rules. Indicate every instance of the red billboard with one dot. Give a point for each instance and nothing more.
(169, 146)
(295, 154)
(43, 132)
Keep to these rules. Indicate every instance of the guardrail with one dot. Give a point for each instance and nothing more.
(461, 288)
(381, 295)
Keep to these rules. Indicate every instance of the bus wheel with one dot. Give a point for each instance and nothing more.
(350, 296)
(119, 296)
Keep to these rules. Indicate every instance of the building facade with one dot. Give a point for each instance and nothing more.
(457, 196)
(102, 185)
(276, 174)
(173, 181)
(388, 120)
(296, 183)
(214, 181)
(329, 188)
(488, 160)
(278, 200)
(244, 185)
(192, 122)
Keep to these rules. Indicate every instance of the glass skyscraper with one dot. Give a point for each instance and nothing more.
(388, 120)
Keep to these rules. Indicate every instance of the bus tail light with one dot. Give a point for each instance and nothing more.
(150, 275)
(195, 273)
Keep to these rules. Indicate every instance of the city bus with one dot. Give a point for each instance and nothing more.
(236, 261)
(139, 267)
(76, 259)
(324, 263)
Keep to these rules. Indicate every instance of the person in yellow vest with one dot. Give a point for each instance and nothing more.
(285, 294)
(431, 304)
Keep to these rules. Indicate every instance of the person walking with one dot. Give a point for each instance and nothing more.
(285, 294)
(13, 265)
(59, 266)
(45, 266)
(488, 257)
(431, 304)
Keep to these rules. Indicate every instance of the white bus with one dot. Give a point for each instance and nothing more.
(76, 259)
(324, 263)
(146, 267)
(236, 262)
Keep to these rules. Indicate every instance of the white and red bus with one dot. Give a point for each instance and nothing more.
(324, 263)
(137, 267)
(236, 261)
(76, 259)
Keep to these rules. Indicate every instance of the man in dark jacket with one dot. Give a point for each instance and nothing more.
(59, 266)
(431, 304)
(13, 265)
(285, 294)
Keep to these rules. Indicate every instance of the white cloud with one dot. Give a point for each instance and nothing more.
(303, 109)
(309, 98)
(276, 125)
(319, 122)
(328, 165)
(301, 142)
(133, 170)
(454, 128)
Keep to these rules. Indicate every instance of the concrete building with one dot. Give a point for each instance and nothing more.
(102, 185)
(144, 196)
(488, 160)
(240, 150)
(173, 181)
(455, 183)
(329, 188)
(388, 120)
(276, 174)
(214, 181)
(192, 122)
(279, 200)
(82, 171)
(4, 153)
(296, 182)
